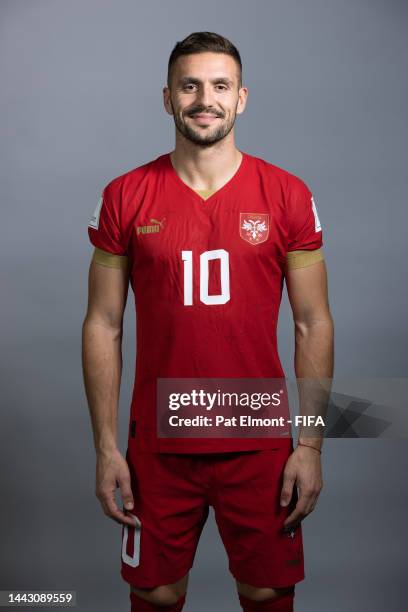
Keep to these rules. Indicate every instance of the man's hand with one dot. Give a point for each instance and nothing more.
(304, 469)
(112, 471)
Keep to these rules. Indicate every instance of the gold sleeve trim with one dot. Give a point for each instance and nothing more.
(302, 259)
(109, 259)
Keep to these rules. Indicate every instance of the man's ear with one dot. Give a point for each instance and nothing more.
(242, 99)
(167, 100)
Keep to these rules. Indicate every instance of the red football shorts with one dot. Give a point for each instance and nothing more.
(172, 495)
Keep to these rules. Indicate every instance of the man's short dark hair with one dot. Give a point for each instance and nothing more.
(201, 42)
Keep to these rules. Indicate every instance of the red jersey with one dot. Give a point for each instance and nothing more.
(207, 276)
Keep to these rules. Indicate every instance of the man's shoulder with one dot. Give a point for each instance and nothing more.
(288, 179)
(137, 175)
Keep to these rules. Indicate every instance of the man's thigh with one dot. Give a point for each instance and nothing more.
(170, 510)
(250, 519)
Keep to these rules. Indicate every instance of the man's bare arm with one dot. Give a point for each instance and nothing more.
(314, 331)
(102, 369)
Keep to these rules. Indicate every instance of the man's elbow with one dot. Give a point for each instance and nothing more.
(94, 323)
(314, 322)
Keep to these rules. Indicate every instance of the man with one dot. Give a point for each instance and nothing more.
(205, 235)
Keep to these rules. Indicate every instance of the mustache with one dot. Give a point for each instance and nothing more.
(202, 109)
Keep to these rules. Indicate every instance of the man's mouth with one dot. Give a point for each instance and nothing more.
(204, 117)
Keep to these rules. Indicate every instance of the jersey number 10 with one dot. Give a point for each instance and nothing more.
(224, 296)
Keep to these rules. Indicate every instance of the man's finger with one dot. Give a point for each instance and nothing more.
(126, 493)
(307, 497)
(311, 504)
(294, 517)
(287, 489)
(112, 511)
(306, 504)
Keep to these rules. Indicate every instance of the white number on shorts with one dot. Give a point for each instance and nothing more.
(224, 296)
(134, 560)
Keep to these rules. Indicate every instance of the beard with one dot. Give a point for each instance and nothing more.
(204, 137)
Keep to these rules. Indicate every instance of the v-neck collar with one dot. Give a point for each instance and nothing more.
(193, 193)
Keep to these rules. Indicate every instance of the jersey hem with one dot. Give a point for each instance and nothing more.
(151, 444)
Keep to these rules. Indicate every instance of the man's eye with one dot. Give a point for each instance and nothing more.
(221, 87)
(189, 86)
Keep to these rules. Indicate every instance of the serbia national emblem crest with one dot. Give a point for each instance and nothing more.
(254, 227)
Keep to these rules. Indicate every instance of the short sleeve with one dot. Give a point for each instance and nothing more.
(104, 228)
(305, 237)
(304, 228)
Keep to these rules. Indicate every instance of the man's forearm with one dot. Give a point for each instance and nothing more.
(314, 362)
(102, 369)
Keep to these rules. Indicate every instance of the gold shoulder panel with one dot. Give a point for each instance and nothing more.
(109, 259)
(302, 259)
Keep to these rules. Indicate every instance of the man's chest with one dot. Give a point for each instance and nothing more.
(249, 230)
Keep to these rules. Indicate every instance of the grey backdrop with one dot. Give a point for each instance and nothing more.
(80, 104)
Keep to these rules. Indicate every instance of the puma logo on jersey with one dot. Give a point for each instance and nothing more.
(254, 227)
(151, 229)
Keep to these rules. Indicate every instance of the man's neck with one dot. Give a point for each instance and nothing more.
(206, 167)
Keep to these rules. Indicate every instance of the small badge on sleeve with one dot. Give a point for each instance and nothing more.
(318, 227)
(94, 221)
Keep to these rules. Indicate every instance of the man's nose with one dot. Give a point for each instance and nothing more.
(204, 95)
